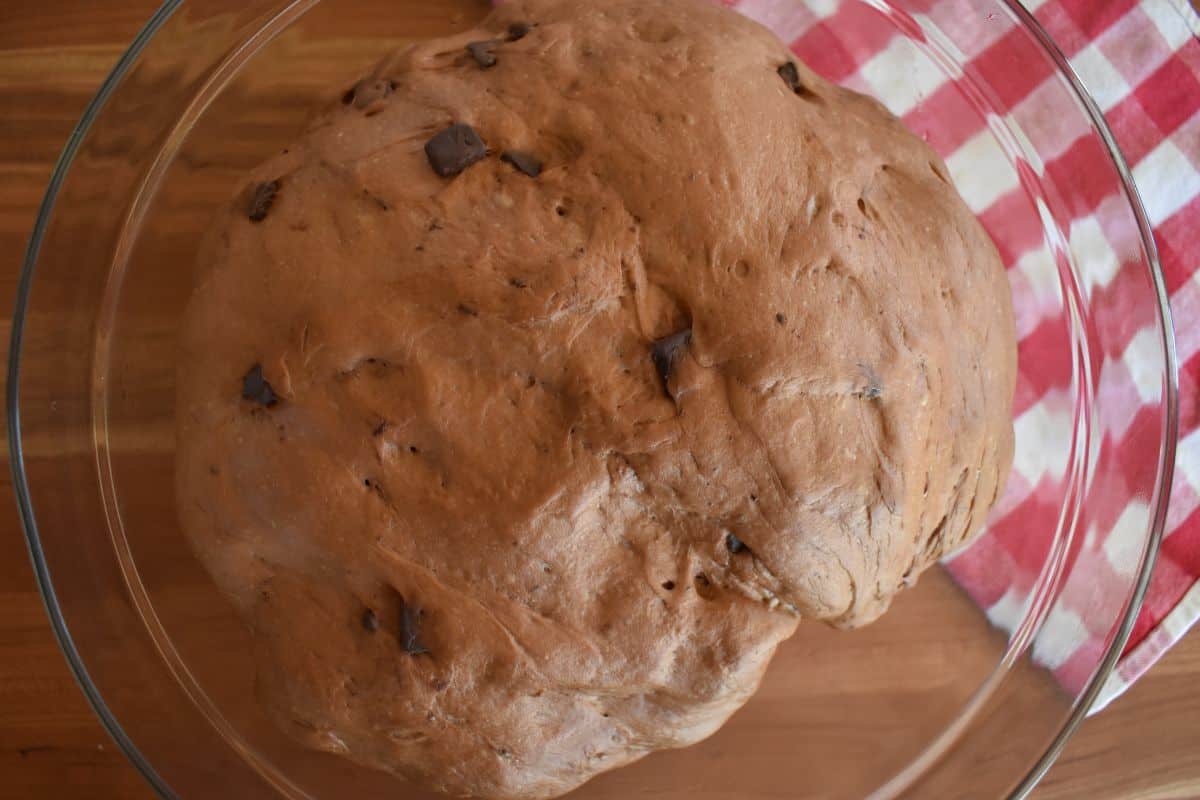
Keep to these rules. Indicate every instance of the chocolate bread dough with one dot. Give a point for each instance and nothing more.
(541, 389)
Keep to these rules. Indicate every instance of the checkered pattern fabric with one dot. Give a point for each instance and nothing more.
(1141, 62)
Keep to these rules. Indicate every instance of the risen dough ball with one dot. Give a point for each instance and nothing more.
(523, 470)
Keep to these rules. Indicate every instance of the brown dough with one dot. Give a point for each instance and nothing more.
(480, 541)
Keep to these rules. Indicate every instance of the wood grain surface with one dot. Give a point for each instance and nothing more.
(53, 55)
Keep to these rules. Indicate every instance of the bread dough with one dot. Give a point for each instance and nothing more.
(521, 455)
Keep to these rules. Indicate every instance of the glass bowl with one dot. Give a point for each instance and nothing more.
(951, 694)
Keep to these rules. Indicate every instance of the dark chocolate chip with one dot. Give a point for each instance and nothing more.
(791, 76)
(780, 318)
(669, 585)
(874, 387)
(518, 31)
(484, 52)
(368, 91)
(410, 630)
(735, 544)
(524, 162)
(256, 389)
(467, 310)
(517, 283)
(263, 199)
(666, 353)
(455, 149)
(370, 621)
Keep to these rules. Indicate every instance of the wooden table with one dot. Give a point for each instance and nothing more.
(53, 55)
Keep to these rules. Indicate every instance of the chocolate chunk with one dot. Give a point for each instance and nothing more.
(669, 585)
(410, 630)
(518, 31)
(735, 544)
(256, 389)
(780, 318)
(666, 353)
(524, 162)
(484, 52)
(874, 387)
(370, 621)
(455, 149)
(368, 91)
(263, 199)
(791, 76)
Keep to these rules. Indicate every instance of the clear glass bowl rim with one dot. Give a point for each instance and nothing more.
(1162, 489)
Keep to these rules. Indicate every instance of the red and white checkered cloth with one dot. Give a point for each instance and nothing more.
(1141, 62)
